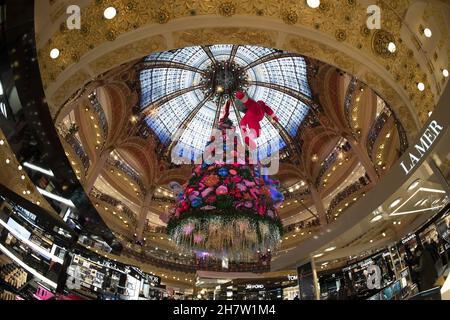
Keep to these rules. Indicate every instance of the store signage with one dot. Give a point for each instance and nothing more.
(254, 286)
(22, 231)
(407, 239)
(25, 213)
(153, 279)
(420, 149)
(292, 278)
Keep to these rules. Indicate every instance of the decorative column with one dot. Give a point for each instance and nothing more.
(315, 279)
(321, 212)
(365, 160)
(96, 169)
(142, 218)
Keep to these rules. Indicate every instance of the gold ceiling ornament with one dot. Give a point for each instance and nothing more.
(289, 17)
(162, 17)
(365, 32)
(248, 36)
(341, 35)
(324, 6)
(380, 42)
(227, 9)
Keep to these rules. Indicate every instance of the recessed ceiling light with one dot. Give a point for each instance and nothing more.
(2, 142)
(421, 86)
(445, 73)
(427, 32)
(418, 202)
(110, 13)
(384, 234)
(395, 203)
(376, 218)
(414, 185)
(54, 53)
(392, 47)
(313, 3)
(330, 249)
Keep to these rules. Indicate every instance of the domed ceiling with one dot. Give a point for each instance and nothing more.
(336, 136)
(186, 89)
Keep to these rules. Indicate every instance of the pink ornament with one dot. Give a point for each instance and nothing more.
(193, 195)
(249, 183)
(211, 199)
(236, 179)
(248, 204)
(233, 172)
(261, 210)
(198, 238)
(206, 192)
(221, 190)
(187, 229)
(206, 208)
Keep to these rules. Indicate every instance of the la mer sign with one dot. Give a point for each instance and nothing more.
(425, 142)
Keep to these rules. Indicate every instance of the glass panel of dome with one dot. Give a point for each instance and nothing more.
(221, 52)
(198, 132)
(289, 72)
(193, 56)
(270, 140)
(165, 121)
(251, 53)
(158, 82)
(289, 110)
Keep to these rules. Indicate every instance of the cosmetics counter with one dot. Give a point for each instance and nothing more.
(93, 277)
(280, 288)
(31, 252)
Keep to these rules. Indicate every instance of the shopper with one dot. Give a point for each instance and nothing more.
(426, 268)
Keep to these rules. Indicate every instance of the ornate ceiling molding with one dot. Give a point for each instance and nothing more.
(103, 44)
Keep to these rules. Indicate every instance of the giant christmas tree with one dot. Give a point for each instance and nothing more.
(227, 208)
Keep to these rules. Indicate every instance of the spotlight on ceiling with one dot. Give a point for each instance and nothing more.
(414, 185)
(54, 53)
(376, 218)
(395, 203)
(445, 73)
(421, 86)
(313, 3)
(392, 47)
(110, 13)
(427, 32)
(330, 249)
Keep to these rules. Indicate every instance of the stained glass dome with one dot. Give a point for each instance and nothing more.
(183, 90)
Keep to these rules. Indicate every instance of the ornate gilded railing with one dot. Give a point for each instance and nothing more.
(348, 104)
(133, 175)
(100, 114)
(122, 208)
(310, 223)
(73, 142)
(402, 135)
(348, 192)
(376, 128)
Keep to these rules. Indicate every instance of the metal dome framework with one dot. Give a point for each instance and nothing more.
(181, 103)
